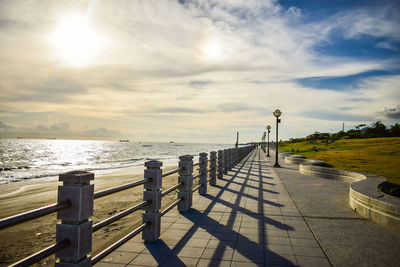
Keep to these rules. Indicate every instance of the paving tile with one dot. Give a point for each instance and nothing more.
(248, 256)
(209, 262)
(308, 251)
(298, 234)
(148, 260)
(280, 249)
(213, 243)
(245, 264)
(304, 242)
(194, 252)
(225, 236)
(280, 260)
(249, 246)
(176, 261)
(109, 264)
(276, 240)
(219, 253)
(132, 247)
(312, 261)
(197, 242)
(279, 233)
(250, 238)
(120, 257)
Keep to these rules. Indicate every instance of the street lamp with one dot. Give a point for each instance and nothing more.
(269, 130)
(277, 113)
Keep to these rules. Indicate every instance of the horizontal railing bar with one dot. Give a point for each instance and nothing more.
(40, 255)
(119, 243)
(33, 214)
(169, 190)
(118, 216)
(170, 207)
(119, 188)
(196, 164)
(197, 187)
(171, 172)
(196, 176)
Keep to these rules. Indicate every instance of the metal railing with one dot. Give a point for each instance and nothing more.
(76, 202)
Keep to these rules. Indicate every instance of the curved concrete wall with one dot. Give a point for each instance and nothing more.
(364, 196)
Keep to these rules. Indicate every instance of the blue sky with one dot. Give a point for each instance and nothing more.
(199, 72)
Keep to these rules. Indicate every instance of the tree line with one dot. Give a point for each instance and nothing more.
(375, 130)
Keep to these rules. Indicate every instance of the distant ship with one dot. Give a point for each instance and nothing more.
(171, 142)
(124, 140)
(19, 137)
(147, 145)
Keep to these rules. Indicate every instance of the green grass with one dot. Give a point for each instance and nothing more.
(379, 156)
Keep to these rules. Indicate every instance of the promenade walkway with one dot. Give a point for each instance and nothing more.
(248, 219)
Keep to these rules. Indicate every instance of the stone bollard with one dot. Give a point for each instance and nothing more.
(203, 173)
(76, 225)
(152, 193)
(232, 158)
(185, 177)
(226, 151)
(213, 168)
(236, 156)
(220, 164)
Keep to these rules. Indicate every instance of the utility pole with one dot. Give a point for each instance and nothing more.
(343, 127)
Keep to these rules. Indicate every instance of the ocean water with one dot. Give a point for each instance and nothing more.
(22, 159)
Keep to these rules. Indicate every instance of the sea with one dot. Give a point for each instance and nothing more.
(29, 159)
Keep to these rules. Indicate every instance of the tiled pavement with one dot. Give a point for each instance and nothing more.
(248, 219)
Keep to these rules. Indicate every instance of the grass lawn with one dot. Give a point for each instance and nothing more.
(374, 155)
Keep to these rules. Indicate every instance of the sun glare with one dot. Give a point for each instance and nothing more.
(212, 50)
(76, 41)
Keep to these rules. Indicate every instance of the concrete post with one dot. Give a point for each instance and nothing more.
(152, 193)
(76, 225)
(203, 173)
(220, 164)
(213, 168)
(226, 158)
(231, 162)
(185, 177)
(235, 156)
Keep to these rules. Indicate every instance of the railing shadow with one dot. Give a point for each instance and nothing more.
(246, 247)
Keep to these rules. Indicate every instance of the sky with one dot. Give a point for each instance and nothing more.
(196, 71)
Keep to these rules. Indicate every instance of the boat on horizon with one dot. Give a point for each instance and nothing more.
(124, 140)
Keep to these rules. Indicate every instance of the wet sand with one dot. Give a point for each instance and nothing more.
(22, 240)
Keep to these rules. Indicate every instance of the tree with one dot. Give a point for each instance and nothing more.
(377, 129)
(394, 130)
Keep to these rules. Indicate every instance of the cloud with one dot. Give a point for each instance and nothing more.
(5, 127)
(209, 66)
(178, 110)
(102, 132)
(200, 83)
(336, 116)
(57, 127)
(391, 112)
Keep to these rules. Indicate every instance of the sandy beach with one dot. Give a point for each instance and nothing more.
(24, 239)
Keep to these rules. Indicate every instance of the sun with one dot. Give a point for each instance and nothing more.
(76, 41)
(212, 50)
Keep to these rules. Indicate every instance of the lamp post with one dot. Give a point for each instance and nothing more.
(277, 113)
(263, 141)
(269, 130)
